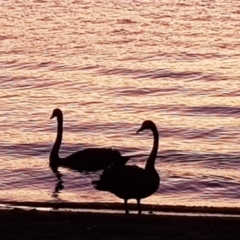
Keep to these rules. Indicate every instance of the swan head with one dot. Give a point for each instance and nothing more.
(56, 113)
(148, 124)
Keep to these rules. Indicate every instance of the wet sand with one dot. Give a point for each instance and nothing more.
(51, 225)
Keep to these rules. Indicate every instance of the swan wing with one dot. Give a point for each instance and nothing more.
(94, 159)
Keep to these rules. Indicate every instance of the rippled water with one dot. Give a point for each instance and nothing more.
(109, 66)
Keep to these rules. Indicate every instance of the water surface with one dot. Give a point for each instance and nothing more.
(109, 66)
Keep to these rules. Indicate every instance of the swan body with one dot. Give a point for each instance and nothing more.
(89, 160)
(132, 182)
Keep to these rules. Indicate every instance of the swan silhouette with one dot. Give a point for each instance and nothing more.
(87, 160)
(132, 182)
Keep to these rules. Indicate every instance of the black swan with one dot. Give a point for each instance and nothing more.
(87, 160)
(132, 182)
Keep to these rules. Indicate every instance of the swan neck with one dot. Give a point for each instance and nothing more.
(54, 156)
(151, 160)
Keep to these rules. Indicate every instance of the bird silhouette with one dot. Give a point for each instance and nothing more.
(86, 160)
(129, 181)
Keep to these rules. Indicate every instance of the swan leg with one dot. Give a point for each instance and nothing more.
(139, 206)
(126, 206)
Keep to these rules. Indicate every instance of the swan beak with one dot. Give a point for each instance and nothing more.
(52, 117)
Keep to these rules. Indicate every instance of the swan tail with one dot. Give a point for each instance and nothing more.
(109, 178)
(99, 185)
(121, 161)
(125, 159)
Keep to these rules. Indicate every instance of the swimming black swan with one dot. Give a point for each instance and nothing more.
(87, 160)
(132, 182)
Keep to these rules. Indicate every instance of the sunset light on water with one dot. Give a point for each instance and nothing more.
(109, 66)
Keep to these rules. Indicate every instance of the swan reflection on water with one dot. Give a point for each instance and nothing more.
(59, 185)
(89, 160)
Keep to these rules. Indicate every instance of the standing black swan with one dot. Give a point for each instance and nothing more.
(132, 182)
(89, 160)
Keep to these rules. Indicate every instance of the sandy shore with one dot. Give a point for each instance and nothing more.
(48, 225)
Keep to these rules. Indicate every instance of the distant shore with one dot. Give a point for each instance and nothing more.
(18, 224)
